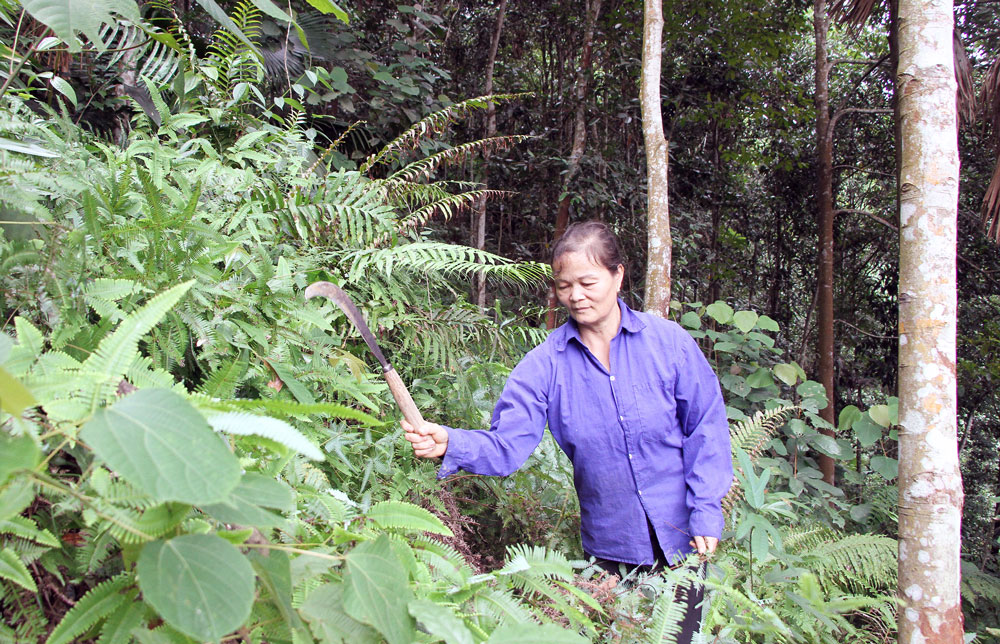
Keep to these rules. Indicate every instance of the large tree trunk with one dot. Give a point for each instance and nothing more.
(593, 8)
(659, 244)
(930, 482)
(479, 283)
(824, 208)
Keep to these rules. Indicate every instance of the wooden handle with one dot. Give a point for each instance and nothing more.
(403, 398)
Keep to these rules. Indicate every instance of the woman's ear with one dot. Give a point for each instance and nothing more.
(620, 276)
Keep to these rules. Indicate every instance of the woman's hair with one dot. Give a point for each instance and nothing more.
(594, 239)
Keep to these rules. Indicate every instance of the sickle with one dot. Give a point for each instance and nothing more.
(396, 386)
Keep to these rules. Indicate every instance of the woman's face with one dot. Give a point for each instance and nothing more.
(588, 290)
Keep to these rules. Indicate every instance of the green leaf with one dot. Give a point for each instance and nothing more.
(243, 505)
(14, 396)
(786, 373)
(199, 583)
(220, 16)
(760, 379)
(406, 516)
(324, 611)
(63, 87)
(691, 320)
(157, 441)
(767, 324)
(25, 528)
(377, 590)
(867, 432)
(17, 453)
(267, 7)
(14, 497)
(275, 575)
(440, 621)
(327, 6)
(534, 634)
(887, 467)
(826, 445)
(245, 424)
(99, 602)
(13, 569)
(66, 18)
(893, 404)
(298, 390)
(848, 416)
(880, 414)
(745, 321)
(720, 312)
(26, 148)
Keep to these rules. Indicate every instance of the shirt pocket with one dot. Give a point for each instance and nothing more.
(656, 410)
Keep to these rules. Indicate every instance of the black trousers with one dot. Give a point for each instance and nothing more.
(690, 595)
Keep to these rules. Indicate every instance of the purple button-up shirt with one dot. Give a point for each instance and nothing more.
(647, 437)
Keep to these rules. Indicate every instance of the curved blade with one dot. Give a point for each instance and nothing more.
(340, 298)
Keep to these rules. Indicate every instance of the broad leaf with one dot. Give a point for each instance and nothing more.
(534, 634)
(786, 373)
(324, 611)
(745, 321)
(66, 18)
(14, 396)
(17, 453)
(328, 6)
(867, 432)
(377, 591)
(199, 583)
(848, 416)
(440, 621)
(157, 441)
(691, 320)
(880, 414)
(720, 312)
(243, 505)
(887, 467)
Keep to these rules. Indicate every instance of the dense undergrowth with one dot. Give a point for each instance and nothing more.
(191, 452)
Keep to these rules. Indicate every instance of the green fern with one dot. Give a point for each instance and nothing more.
(117, 628)
(979, 585)
(854, 562)
(27, 529)
(100, 601)
(14, 570)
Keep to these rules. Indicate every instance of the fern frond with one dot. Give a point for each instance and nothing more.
(423, 168)
(118, 626)
(431, 125)
(99, 602)
(446, 207)
(288, 407)
(664, 624)
(245, 424)
(855, 562)
(25, 528)
(116, 352)
(979, 585)
(13, 569)
(753, 434)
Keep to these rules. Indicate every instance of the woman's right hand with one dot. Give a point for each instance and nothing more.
(428, 440)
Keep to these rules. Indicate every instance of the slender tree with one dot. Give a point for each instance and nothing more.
(479, 283)
(659, 244)
(583, 73)
(930, 482)
(824, 208)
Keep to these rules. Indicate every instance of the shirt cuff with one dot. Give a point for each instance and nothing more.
(706, 523)
(454, 456)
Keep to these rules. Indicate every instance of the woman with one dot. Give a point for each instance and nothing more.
(634, 404)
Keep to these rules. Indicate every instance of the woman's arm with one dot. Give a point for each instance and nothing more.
(516, 429)
(708, 463)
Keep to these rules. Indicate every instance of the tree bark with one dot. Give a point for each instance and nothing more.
(659, 244)
(824, 208)
(479, 282)
(583, 74)
(930, 482)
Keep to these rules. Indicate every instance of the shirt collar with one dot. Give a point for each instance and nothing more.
(631, 322)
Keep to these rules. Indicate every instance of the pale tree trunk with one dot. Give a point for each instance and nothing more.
(479, 282)
(824, 207)
(930, 482)
(659, 244)
(583, 73)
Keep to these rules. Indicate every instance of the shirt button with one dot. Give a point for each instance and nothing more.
(612, 378)
(640, 492)
(621, 418)
(630, 457)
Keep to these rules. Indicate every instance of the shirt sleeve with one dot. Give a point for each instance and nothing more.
(516, 429)
(701, 413)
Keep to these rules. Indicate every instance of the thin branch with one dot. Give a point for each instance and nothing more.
(870, 335)
(873, 66)
(857, 110)
(851, 211)
(854, 61)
